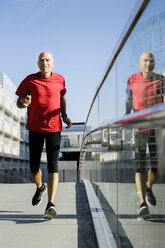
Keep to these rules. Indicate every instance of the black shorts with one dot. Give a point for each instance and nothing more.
(36, 143)
(142, 160)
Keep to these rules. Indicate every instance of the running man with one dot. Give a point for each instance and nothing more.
(144, 90)
(44, 95)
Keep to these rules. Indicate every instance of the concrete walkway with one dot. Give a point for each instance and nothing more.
(23, 226)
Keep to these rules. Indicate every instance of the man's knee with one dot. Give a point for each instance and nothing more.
(52, 170)
(140, 170)
(34, 170)
(154, 170)
(53, 166)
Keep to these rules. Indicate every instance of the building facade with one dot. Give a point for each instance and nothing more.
(14, 144)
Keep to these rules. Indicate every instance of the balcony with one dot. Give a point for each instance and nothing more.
(7, 106)
(16, 132)
(15, 151)
(1, 126)
(15, 112)
(8, 128)
(8, 150)
(1, 148)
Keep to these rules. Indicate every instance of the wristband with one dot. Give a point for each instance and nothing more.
(64, 115)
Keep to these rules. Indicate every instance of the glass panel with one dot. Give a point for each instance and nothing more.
(93, 119)
(147, 36)
(122, 163)
(107, 98)
(140, 85)
(99, 165)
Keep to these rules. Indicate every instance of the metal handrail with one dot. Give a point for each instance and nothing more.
(149, 118)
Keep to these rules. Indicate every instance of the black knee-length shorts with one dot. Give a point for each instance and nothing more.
(141, 140)
(36, 143)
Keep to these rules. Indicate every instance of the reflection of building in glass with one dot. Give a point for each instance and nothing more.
(149, 35)
(110, 144)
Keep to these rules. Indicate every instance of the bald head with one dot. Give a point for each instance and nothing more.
(146, 55)
(45, 64)
(147, 64)
(47, 54)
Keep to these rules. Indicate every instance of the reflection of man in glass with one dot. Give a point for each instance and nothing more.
(144, 90)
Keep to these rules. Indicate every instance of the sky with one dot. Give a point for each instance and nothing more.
(81, 35)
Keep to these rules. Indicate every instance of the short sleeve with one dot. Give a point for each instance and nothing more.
(128, 87)
(22, 89)
(63, 91)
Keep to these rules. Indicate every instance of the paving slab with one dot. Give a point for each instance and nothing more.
(23, 226)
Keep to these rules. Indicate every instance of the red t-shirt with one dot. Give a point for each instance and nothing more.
(145, 92)
(45, 108)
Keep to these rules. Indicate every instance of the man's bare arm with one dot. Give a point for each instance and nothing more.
(66, 120)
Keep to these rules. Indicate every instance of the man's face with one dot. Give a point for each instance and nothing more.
(147, 63)
(45, 62)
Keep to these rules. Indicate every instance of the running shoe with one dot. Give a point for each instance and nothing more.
(150, 198)
(144, 212)
(50, 211)
(37, 198)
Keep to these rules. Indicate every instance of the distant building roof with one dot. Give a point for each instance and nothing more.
(76, 127)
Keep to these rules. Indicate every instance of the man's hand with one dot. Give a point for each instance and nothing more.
(24, 102)
(67, 121)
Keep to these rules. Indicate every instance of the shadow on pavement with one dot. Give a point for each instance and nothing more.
(86, 233)
(30, 218)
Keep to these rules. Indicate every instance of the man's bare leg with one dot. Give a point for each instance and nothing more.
(37, 177)
(151, 178)
(53, 179)
(140, 185)
(51, 212)
(150, 198)
(141, 189)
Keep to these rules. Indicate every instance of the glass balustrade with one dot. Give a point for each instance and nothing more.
(122, 153)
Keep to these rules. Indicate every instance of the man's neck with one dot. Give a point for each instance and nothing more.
(147, 75)
(46, 75)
